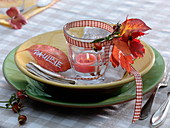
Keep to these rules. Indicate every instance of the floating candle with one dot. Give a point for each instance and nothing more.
(84, 62)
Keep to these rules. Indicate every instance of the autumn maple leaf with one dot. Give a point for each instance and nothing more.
(127, 47)
(133, 25)
(117, 58)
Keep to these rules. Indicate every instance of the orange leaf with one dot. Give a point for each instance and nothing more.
(118, 58)
(133, 25)
(126, 61)
(114, 58)
(122, 45)
(127, 47)
(50, 58)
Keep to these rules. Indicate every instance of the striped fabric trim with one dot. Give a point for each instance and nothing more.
(89, 23)
(139, 95)
(86, 23)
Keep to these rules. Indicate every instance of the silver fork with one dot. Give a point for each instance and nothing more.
(38, 71)
(160, 115)
(148, 105)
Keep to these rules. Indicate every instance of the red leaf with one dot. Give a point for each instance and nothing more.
(114, 58)
(127, 47)
(50, 57)
(126, 35)
(126, 61)
(131, 35)
(18, 21)
(137, 34)
(137, 48)
(15, 24)
(12, 12)
(118, 58)
(122, 45)
(134, 25)
(21, 19)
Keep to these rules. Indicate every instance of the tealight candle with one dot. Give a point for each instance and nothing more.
(84, 62)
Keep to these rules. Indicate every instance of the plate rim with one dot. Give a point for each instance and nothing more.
(91, 86)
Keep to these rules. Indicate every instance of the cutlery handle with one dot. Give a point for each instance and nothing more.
(147, 107)
(160, 115)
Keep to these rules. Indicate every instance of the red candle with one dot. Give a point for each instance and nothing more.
(84, 61)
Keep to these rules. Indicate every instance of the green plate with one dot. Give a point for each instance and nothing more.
(18, 80)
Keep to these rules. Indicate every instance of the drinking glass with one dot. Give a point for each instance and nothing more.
(88, 63)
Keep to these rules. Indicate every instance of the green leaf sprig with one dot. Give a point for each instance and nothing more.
(115, 34)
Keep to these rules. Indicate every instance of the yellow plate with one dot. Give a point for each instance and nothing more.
(56, 39)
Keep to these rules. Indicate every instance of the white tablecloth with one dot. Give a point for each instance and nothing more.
(156, 15)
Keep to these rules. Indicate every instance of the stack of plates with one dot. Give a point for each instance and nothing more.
(151, 67)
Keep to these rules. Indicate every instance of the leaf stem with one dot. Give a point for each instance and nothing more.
(114, 34)
(4, 101)
(4, 107)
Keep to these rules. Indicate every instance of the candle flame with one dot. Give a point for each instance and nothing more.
(88, 57)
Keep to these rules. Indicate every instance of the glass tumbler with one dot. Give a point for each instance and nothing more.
(88, 63)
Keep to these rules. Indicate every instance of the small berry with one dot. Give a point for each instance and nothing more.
(22, 119)
(21, 95)
(97, 47)
(16, 107)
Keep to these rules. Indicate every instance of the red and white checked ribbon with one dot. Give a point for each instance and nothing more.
(138, 103)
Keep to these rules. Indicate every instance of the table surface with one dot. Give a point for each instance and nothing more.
(156, 15)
